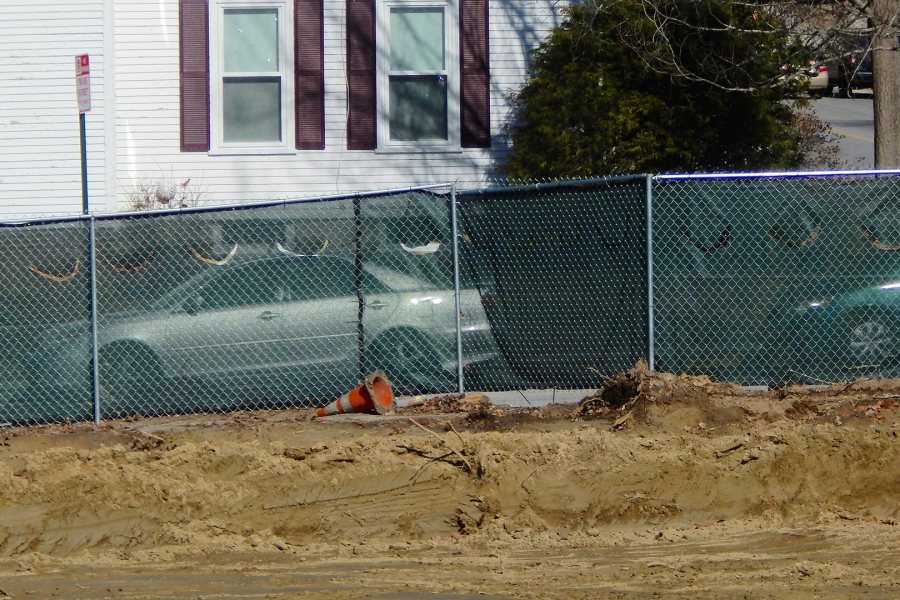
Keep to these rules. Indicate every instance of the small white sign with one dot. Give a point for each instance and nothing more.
(83, 82)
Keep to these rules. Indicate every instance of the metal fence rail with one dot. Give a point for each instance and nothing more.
(754, 279)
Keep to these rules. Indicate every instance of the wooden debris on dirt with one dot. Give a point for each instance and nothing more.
(620, 392)
(640, 396)
(621, 422)
(474, 405)
(729, 449)
(803, 409)
(639, 387)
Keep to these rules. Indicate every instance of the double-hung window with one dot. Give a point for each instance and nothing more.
(418, 75)
(251, 75)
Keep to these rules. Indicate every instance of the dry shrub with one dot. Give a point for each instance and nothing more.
(162, 193)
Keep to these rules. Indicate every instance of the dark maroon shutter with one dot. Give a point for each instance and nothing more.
(309, 74)
(193, 20)
(475, 77)
(361, 74)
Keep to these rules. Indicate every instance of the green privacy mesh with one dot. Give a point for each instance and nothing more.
(561, 270)
(756, 280)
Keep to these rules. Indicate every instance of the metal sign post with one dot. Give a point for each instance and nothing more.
(83, 89)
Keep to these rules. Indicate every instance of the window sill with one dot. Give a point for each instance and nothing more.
(419, 150)
(253, 152)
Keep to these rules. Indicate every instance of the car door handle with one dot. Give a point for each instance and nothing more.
(267, 316)
(377, 305)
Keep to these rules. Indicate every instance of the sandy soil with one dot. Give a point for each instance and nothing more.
(657, 486)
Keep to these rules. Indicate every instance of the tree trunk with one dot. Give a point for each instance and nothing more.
(886, 67)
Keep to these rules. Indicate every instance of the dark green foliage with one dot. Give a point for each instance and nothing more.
(606, 96)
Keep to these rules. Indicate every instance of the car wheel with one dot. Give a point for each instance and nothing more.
(410, 360)
(130, 381)
(870, 341)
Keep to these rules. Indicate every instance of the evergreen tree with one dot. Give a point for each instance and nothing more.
(602, 100)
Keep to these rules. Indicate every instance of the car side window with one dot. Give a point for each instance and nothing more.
(316, 279)
(244, 286)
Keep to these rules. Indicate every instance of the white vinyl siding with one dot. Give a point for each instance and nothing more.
(39, 124)
(40, 159)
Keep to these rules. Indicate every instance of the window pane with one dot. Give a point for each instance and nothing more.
(418, 107)
(251, 40)
(251, 110)
(417, 39)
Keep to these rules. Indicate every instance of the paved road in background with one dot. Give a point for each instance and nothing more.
(854, 121)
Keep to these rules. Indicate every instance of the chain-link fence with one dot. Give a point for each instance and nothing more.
(756, 280)
(765, 280)
(273, 305)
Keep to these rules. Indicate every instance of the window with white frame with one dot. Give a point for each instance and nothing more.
(418, 74)
(251, 96)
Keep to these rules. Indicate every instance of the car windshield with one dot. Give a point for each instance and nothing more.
(176, 296)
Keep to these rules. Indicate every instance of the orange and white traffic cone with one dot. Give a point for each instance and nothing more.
(373, 395)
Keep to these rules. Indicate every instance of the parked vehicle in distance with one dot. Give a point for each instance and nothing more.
(849, 335)
(818, 78)
(814, 75)
(852, 71)
(278, 327)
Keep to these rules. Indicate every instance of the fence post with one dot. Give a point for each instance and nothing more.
(357, 286)
(648, 223)
(95, 365)
(454, 244)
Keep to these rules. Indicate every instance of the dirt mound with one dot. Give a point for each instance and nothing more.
(640, 396)
(650, 459)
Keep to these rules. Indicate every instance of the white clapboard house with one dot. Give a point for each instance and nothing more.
(243, 100)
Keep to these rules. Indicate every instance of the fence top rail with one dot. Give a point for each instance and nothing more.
(776, 175)
(143, 214)
(549, 185)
